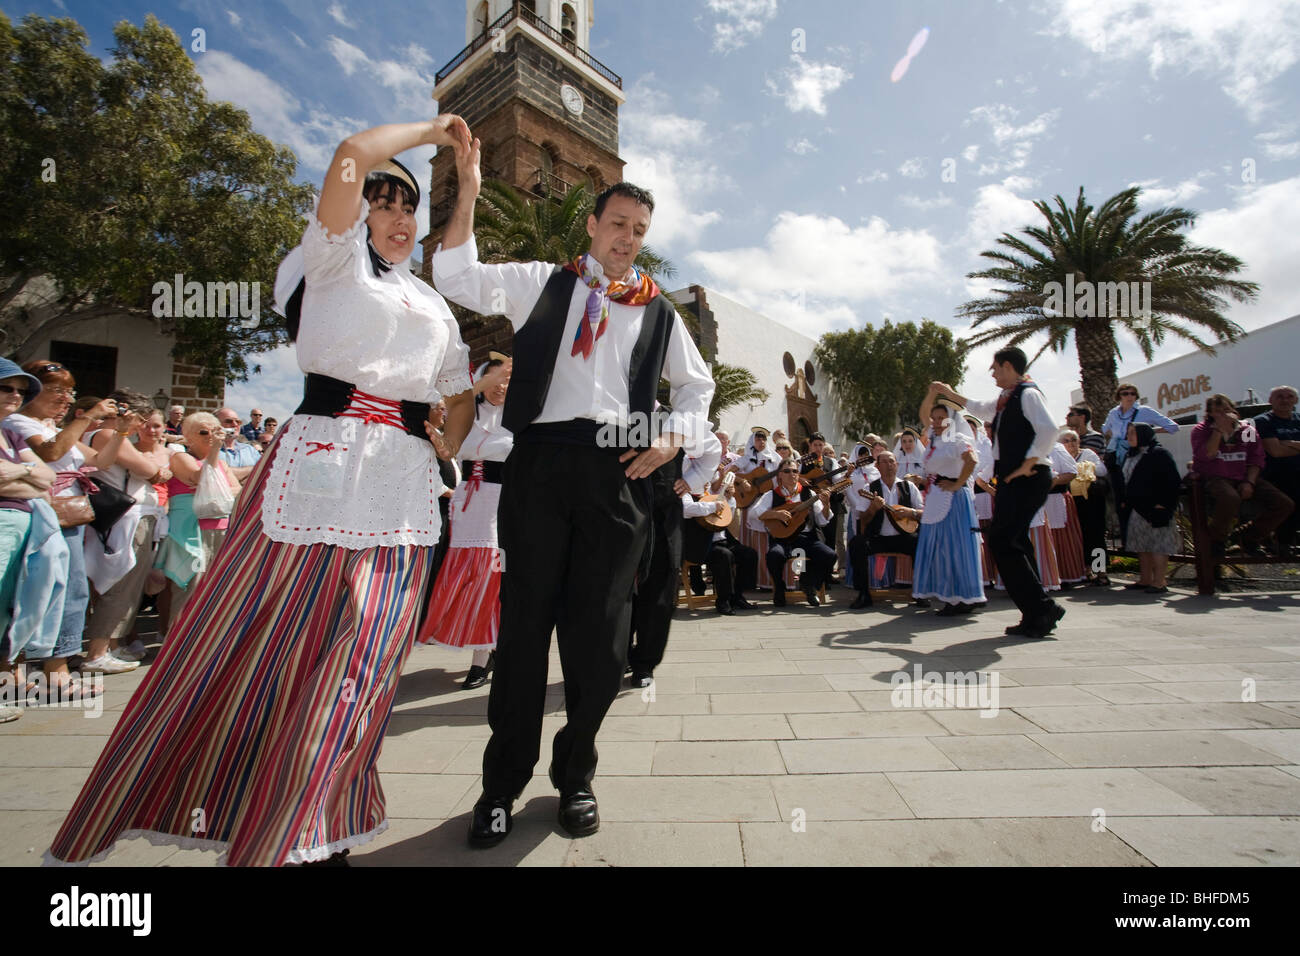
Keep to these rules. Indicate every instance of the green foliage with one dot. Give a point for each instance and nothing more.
(1189, 287)
(151, 179)
(880, 375)
(733, 385)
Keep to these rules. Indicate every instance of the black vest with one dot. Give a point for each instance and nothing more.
(537, 346)
(1014, 433)
(905, 499)
(779, 500)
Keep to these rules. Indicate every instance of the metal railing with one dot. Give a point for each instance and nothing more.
(517, 10)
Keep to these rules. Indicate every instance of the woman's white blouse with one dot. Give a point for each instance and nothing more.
(488, 439)
(944, 459)
(342, 481)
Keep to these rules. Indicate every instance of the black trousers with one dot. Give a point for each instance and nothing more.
(1092, 525)
(572, 529)
(1288, 482)
(819, 559)
(656, 596)
(1014, 506)
(863, 546)
(733, 566)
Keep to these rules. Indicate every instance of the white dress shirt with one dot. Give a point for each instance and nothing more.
(594, 388)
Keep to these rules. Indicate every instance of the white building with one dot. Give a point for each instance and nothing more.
(1245, 371)
(782, 362)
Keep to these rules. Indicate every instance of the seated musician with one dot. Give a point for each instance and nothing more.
(733, 566)
(818, 558)
(878, 533)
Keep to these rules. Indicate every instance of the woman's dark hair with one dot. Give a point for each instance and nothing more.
(1125, 387)
(481, 397)
(383, 186)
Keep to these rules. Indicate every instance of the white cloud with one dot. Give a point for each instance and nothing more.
(412, 89)
(1246, 46)
(924, 205)
(668, 154)
(1154, 195)
(1267, 243)
(997, 209)
(912, 168)
(808, 83)
(843, 264)
(875, 176)
(1016, 140)
(299, 40)
(970, 153)
(803, 147)
(1274, 149)
(739, 22)
(339, 14)
(235, 18)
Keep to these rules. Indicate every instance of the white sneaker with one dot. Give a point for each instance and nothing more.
(108, 664)
(9, 712)
(134, 652)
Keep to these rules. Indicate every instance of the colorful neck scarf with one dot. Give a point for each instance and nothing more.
(640, 291)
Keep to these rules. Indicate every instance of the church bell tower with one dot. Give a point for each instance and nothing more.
(544, 108)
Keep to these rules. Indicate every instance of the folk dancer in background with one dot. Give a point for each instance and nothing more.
(464, 609)
(947, 565)
(592, 340)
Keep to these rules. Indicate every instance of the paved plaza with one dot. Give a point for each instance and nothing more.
(800, 737)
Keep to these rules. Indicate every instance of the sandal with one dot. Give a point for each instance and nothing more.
(74, 690)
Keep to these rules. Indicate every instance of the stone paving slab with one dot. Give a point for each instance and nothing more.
(802, 737)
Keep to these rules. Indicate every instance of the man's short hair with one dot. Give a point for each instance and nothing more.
(1282, 388)
(635, 193)
(1013, 356)
(1083, 410)
(817, 436)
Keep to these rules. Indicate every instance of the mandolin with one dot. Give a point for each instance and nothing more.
(903, 523)
(778, 528)
(750, 487)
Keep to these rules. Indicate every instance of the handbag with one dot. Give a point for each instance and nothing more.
(109, 504)
(213, 497)
(73, 510)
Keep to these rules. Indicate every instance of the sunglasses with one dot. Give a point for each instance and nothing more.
(12, 390)
(204, 432)
(1122, 394)
(50, 368)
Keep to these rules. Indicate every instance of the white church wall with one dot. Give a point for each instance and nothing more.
(144, 360)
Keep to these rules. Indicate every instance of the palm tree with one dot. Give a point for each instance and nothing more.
(733, 385)
(512, 227)
(1086, 248)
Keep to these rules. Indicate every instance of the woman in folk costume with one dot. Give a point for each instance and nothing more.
(1063, 518)
(909, 452)
(257, 730)
(947, 562)
(465, 606)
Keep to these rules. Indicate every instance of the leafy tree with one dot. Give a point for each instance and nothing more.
(118, 176)
(1188, 285)
(880, 375)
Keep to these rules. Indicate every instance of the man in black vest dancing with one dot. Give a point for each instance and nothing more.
(1023, 434)
(592, 340)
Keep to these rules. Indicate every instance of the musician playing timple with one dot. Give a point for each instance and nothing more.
(819, 559)
(825, 463)
(880, 534)
(733, 565)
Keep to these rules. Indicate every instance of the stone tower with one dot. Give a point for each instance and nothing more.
(544, 108)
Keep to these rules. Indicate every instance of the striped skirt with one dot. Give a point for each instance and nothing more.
(258, 728)
(465, 606)
(1068, 542)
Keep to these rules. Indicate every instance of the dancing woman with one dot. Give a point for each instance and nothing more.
(258, 728)
(465, 607)
(947, 562)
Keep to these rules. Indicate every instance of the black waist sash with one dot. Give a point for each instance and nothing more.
(331, 397)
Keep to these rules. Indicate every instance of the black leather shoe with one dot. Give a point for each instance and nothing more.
(739, 603)
(810, 596)
(778, 597)
(478, 676)
(724, 607)
(490, 822)
(948, 610)
(863, 600)
(1048, 622)
(641, 679)
(1019, 630)
(579, 816)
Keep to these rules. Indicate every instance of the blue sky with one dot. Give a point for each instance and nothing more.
(794, 175)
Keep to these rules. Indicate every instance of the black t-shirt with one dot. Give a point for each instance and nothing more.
(1269, 425)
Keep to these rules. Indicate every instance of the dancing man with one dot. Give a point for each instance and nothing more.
(592, 340)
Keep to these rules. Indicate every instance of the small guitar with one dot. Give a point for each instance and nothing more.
(720, 520)
(778, 528)
(903, 523)
(750, 487)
